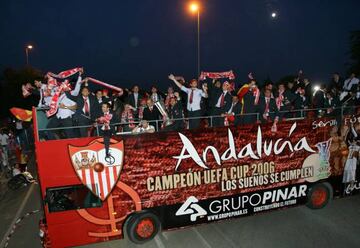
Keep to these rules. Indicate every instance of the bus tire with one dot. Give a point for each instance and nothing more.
(142, 227)
(319, 195)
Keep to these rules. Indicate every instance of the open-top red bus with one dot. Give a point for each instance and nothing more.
(167, 180)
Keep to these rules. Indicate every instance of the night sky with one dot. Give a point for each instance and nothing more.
(126, 42)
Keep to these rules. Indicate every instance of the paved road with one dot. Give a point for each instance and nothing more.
(338, 225)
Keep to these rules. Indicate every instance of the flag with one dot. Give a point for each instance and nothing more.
(241, 93)
(22, 114)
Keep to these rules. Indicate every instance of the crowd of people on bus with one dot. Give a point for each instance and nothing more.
(189, 105)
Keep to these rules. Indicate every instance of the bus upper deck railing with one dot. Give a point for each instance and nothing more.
(291, 115)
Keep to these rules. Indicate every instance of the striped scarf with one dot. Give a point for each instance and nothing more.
(128, 117)
(105, 120)
(64, 86)
(216, 75)
(279, 99)
(64, 74)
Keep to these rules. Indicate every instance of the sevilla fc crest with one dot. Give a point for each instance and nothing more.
(96, 170)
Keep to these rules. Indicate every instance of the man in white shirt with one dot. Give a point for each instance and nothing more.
(194, 99)
(351, 83)
(4, 138)
(144, 127)
(63, 118)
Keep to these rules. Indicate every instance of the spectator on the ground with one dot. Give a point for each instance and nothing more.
(25, 176)
(20, 134)
(144, 127)
(4, 141)
(194, 96)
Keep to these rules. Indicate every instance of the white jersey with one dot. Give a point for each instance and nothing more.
(350, 165)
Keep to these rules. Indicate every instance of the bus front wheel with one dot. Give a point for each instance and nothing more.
(142, 227)
(319, 195)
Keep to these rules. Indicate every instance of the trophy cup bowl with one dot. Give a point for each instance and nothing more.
(160, 106)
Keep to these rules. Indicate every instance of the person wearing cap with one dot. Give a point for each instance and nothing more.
(220, 103)
(194, 96)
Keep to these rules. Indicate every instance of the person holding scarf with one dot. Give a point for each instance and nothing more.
(194, 96)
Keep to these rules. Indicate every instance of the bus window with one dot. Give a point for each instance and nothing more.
(70, 198)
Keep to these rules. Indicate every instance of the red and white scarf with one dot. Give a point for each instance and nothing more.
(216, 75)
(141, 112)
(256, 94)
(64, 74)
(279, 99)
(61, 87)
(119, 90)
(128, 117)
(64, 86)
(105, 120)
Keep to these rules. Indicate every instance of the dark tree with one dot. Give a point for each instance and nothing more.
(354, 65)
(10, 89)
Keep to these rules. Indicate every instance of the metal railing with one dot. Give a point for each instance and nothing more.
(291, 115)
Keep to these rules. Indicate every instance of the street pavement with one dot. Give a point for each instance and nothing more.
(337, 225)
